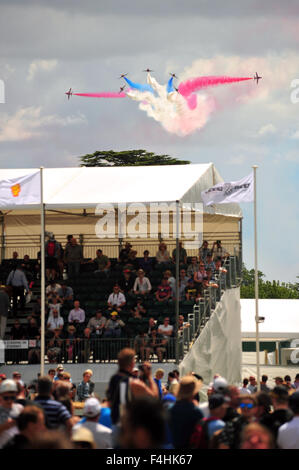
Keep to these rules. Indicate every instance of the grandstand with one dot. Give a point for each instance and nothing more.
(73, 214)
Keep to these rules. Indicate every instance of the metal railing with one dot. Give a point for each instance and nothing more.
(85, 351)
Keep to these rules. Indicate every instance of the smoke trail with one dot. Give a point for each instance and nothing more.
(138, 86)
(102, 95)
(195, 84)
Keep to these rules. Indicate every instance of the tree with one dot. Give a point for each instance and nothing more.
(128, 158)
(267, 289)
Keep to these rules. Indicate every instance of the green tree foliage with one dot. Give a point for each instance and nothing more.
(128, 158)
(267, 289)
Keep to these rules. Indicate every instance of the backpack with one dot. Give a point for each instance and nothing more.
(199, 438)
(51, 248)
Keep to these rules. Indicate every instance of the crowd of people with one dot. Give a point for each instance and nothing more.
(72, 334)
(142, 410)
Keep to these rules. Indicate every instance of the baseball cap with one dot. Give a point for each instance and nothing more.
(220, 384)
(114, 313)
(59, 367)
(8, 385)
(92, 408)
(216, 400)
(3, 376)
(127, 271)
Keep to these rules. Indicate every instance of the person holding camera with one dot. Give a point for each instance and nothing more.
(218, 251)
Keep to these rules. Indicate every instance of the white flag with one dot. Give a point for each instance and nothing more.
(224, 193)
(20, 191)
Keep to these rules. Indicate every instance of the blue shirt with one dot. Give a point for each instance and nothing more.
(104, 419)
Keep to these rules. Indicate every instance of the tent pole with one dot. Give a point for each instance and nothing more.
(42, 268)
(177, 274)
(256, 286)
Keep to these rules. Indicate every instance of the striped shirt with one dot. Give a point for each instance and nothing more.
(56, 413)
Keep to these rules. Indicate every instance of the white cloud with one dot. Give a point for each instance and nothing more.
(29, 122)
(43, 65)
(267, 129)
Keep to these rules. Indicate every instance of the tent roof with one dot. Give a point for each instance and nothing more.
(85, 187)
(281, 318)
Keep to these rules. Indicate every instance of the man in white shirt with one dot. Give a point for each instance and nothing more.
(101, 434)
(77, 314)
(55, 320)
(116, 300)
(165, 329)
(288, 433)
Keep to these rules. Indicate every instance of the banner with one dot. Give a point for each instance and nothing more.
(20, 191)
(16, 344)
(224, 193)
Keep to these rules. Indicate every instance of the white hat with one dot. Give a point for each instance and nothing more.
(82, 434)
(92, 408)
(8, 385)
(220, 384)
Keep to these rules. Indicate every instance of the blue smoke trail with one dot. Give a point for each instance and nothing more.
(170, 88)
(138, 86)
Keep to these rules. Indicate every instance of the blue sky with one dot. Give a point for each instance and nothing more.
(47, 47)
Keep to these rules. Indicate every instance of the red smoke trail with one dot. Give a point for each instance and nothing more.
(102, 95)
(195, 84)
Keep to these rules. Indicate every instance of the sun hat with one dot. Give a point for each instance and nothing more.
(8, 385)
(188, 387)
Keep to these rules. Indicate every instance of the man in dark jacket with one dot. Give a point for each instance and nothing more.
(4, 305)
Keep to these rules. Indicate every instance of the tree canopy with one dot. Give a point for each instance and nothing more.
(128, 158)
(267, 289)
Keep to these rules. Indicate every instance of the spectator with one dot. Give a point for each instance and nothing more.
(230, 437)
(126, 282)
(182, 288)
(296, 381)
(52, 253)
(140, 343)
(103, 263)
(191, 291)
(71, 342)
(162, 255)
(219, 268)
(264, 386)
(184, 278)
(51, 374)
(209, 264)
(86, 387)
(256, 436)
(59, 372)
(143, 424)
(182, 254)
(132, 262)
(55, 344)
(252, 387)
(288, 383)
(66, 376)
(218, 251)
(263, 406)
(18, 281)
(171, 280)
(288, 433)
(123, 378)
(166, 330)
(52, 289)
(116, 300)
(278, 381)
(97, 323)
(82, 438)
(54, 305)
(193, 267)
(31, 424)
(281, 414)
(182, 324)
(142, 285)
(73, 257)
(9, 411)
(77, 314)
(203, 251)
(36, 310)
(85, 345)
(138, 310)
(158, 379)
(66, 294)
(199, 277)
(4, 306)
(156, 344)
(245, 389)
(146, 263)
(101, 434)
(163, 293)
(114, 325)
(51, 440)
(124, 253)
(151, 325)
(184, 414)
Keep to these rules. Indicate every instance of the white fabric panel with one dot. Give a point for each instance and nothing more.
(218, 349)
(281, 318)
(86, 187)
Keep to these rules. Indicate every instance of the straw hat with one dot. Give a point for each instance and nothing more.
(188, 387)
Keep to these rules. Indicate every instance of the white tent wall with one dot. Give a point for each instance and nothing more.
(218, 348)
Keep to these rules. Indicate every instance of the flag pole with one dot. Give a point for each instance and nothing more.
(177, 275)
(42, 269)
(256, 285)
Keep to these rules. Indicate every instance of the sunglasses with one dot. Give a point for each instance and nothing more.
(8, 397)
(249, 406)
